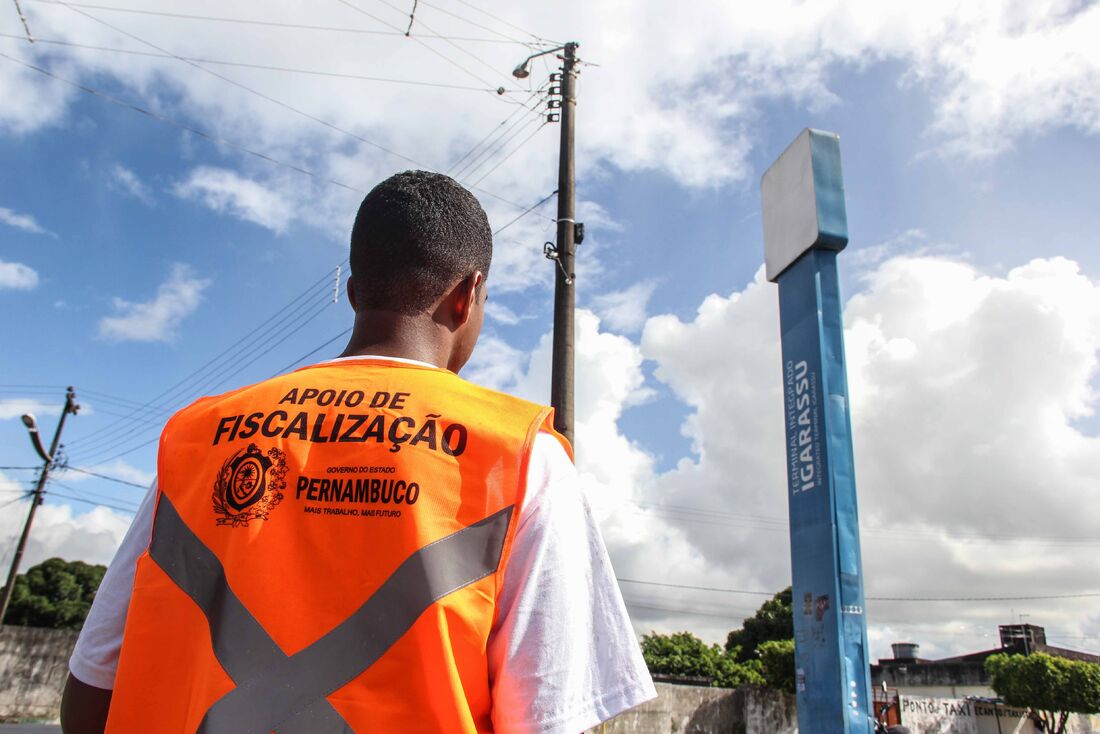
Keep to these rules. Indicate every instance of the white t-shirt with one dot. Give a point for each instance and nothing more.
(562, 656)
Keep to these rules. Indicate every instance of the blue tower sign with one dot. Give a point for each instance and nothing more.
(805, 226)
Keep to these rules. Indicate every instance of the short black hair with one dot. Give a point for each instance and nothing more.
(416, 234)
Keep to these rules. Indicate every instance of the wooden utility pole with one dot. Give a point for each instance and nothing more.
(36, 498)
(565, 296)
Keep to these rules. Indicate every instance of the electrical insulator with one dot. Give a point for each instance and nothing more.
(552, 117)
(554, 104)
(555, 91)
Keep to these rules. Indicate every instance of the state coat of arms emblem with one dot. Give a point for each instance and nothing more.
(249, 485)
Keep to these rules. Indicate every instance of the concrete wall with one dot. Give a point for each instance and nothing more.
(698, 710)
(33, 666)
(958, 716)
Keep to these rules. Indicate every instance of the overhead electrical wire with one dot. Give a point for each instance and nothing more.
(497, 18)
(217, 138)
(241, 86)
(515, 150)
(497, 128)
(266, 67)
(1022, 597)
(474, 23)
(266, 23)
(183, 126)
(416, 38)
(97, 503)
(108, 477)
(263, 329)
(508, 79)
(313, 351)
(499, 141)
(527, 211)
(211, 382)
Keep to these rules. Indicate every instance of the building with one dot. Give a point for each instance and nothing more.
(962, 675)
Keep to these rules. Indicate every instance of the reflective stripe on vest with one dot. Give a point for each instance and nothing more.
(286, 694)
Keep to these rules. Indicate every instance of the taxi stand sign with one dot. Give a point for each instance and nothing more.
(805, 226)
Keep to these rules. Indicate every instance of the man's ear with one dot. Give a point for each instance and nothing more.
(465, 296)
(351, 296)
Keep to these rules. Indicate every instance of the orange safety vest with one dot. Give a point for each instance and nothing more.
(327, 552)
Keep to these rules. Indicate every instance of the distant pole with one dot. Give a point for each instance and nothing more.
(565, 296)
(36, 498)
(805, 226)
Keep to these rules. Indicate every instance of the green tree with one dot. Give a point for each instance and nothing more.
(55, 594)
(684, 654)
(777, 662)
(772, 621)
(1051, 687)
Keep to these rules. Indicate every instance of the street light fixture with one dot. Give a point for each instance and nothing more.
(36, 439)
(521, 72)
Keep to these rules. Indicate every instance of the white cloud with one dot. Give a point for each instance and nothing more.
(126, 181)
(625, 310)
(965, 388)
(17, 276)
(25, 222)
(994, 72)
(158, 319)
(227, 192)
(974, 478)
(15, 407)
(59, 532)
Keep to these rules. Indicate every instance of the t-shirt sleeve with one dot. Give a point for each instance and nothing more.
(563, 656)
(95, 658)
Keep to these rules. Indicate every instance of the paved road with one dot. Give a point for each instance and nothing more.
(30, 729)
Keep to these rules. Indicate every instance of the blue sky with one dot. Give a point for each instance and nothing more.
(132, 253)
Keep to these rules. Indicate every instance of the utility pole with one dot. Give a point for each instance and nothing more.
(569, 236)
(565, 295)
(48, 458)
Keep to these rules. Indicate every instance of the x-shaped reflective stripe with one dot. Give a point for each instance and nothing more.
(287, 694)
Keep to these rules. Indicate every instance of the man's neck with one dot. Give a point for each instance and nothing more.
(390, 334)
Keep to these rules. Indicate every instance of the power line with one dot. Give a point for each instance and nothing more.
(218, 139)
(267, 67)
(182, 125)
(96, 503)
(263, 329)
(502, 137)
(201, 389)
(1032, 597)
(473, 23)
(478, 59)
(266, 23)
(244, 87)
(310, 353)
(438, 53)
(527, 211)
(507, 23)
(515, 150)
(495, 130)
(107, 477)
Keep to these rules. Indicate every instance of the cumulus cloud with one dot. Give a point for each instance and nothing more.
(25, 222)
(15, 407)
(17, 276)
(625, 310)
(974, 476)
(158, 319)
(124, 180)
(60, 532)
(227, 192)
(994, 73)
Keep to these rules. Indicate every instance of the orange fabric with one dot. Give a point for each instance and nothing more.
(319, 553)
